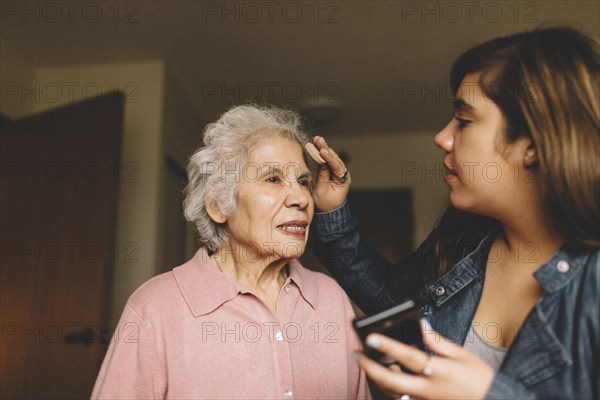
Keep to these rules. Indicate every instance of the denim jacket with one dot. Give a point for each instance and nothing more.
(555, 355)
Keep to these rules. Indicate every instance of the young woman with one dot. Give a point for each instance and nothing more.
(512, 270)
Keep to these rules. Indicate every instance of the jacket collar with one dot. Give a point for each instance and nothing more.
(554, 274)
(205, 288)
(462, 274)
(560, 269)
(539, 354)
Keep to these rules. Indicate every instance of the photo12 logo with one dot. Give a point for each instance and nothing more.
(78, 253)
(72, 172)
(253, 332)
(270, 12)
(62, 92)
(426, 12)
(288, 92)
(72, 12)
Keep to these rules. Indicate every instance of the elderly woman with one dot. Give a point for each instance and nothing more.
(242, 318)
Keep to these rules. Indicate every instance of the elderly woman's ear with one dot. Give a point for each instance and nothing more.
(213, 210)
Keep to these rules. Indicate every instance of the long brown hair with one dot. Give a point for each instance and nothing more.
(546, 84)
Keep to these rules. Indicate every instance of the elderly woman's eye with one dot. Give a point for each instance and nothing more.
(304, 182)
(273, 179)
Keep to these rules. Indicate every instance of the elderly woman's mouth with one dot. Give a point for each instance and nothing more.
(297, 228)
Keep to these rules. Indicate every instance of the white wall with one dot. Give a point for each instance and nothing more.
(407, 160)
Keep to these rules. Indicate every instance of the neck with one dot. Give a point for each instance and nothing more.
(263, 274)
(529, 238)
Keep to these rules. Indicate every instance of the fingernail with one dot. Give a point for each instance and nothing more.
(355, 356)
(326, 152)
(323, 139)
(373, 342)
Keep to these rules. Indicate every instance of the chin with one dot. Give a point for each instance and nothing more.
(472, 208)
(293, 250)
(460, 204)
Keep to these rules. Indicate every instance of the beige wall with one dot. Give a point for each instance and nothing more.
(138, 212)
(160, 122)
(409, 160)
(182, 127)
(16, 77)
(182, 123)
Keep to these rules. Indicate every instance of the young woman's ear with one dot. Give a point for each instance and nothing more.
(214, 212)
(530, 157)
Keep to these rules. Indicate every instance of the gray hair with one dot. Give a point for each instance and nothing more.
(214, 170)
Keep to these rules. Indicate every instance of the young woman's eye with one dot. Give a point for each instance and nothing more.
(462, 122)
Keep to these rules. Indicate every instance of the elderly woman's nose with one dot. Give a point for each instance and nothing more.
(298, 196)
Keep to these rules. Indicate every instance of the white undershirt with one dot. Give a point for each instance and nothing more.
(493, 355)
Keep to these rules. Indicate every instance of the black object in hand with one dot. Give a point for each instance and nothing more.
(401, 322)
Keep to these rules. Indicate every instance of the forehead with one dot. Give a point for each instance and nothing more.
(276, 150)
(470, 89)
(472, 97)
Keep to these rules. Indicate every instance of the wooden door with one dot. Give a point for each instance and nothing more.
(387, 220)
(58, 199)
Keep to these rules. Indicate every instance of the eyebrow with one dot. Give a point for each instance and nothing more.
(461, 105)
(306, 175)
(278, 170)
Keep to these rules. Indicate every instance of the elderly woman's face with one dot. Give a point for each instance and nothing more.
(275, 205)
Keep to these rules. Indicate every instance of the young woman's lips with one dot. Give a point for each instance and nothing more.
(295, 228)
(450, 176)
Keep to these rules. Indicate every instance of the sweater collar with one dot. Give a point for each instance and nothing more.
(205, 288)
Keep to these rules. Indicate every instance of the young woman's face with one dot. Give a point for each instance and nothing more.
(484, 172)
(275, 205)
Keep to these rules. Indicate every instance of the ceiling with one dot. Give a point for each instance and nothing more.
(382, 65)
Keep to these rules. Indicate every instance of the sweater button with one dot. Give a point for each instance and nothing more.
(287, 394)
(439, 291)
(563, 266)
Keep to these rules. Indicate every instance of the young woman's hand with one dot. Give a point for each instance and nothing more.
(452, 373)
(333, 181)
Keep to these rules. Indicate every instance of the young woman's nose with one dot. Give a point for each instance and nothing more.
(445, 138)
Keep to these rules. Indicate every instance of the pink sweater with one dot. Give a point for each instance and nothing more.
(194, 333)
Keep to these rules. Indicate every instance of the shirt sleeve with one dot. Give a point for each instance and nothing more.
(370, 280)
(504, 387)
(131, 367)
